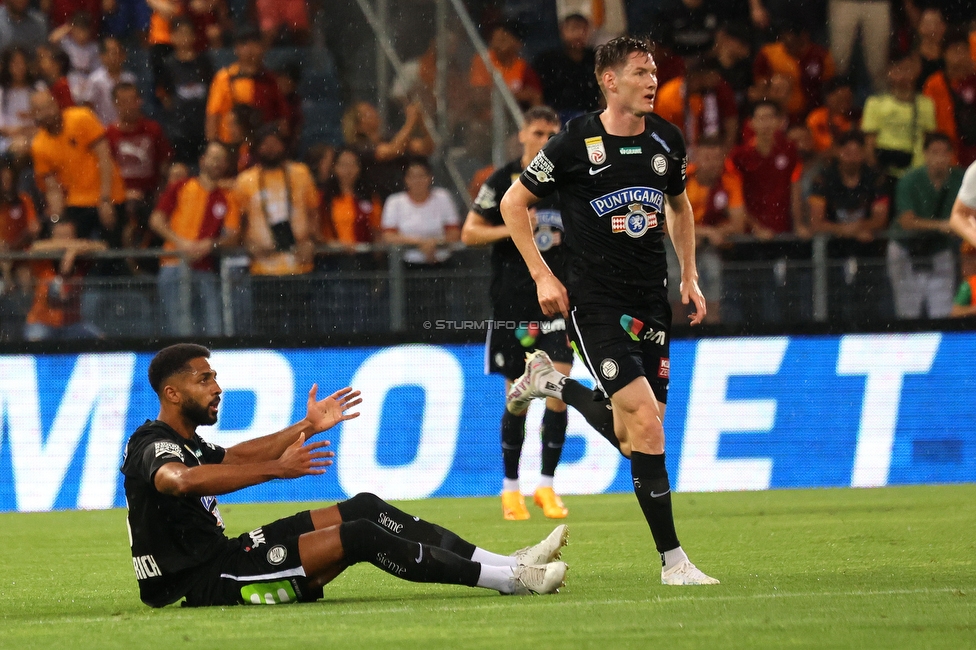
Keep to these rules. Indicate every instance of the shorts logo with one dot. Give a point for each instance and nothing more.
(664, 370)
(595, 150)
(655, 337)
(541, 168)
(659, 164)
(609, 369)
(277, 554)
(500, 360)
(486, 198)
(168, 449)
(635, 223)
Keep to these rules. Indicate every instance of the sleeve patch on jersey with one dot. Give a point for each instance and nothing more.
(169, 449)
(486, 198)
(684, 168)
(541, 168)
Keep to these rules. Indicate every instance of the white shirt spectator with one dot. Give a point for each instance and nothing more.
(15, 110)
(100, 86)
(428, 219)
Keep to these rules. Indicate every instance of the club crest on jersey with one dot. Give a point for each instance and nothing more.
(659, 164)
(635, 223)
(541, 168)
(648, 196)
(595, 150)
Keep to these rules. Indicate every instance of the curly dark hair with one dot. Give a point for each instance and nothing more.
(172, 360)
(7, 57)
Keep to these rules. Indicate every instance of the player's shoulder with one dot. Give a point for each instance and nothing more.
(664, 133)
(586, 124)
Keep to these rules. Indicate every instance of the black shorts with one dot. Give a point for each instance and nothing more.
(619, 345)
(265, 569)
(508, 342)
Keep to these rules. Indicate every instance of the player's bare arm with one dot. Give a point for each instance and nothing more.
(320, 416)
(962, 220)
(553, 298)
(298, 459)
(681, 227)
(477, 231)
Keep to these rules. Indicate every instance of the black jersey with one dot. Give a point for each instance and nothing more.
(611, 193)
(170, 536)
(513, 293)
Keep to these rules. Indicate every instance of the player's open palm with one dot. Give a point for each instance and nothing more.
(300, 459)
(332, 410)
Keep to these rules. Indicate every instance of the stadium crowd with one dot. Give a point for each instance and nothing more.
(792, 131)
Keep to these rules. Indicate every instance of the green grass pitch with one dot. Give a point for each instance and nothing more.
(882, 568)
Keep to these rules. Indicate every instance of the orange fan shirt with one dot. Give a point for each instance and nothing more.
(711, 204)
(196, 213)
(824, 127)
(70, 157)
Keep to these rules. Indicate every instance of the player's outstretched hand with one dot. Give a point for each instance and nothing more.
(300, 459)
(331, 411)
(553, 298)
(690, 293)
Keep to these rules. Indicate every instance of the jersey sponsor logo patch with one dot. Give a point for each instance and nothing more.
(257, 537)
(277, 554)
(647, 196)
(168, 449)
(631, 151)
(664, 369)
(541, 168)
(609, 369)
(661, 141)
(632, 326)
(635, 223)
(659, 163)
(595, 150)
(486, 198)
(596, 170)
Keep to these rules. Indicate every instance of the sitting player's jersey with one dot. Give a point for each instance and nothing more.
(513, 293)
(170, 536)
(611, 192)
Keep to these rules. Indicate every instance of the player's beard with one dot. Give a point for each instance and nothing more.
(198, 414)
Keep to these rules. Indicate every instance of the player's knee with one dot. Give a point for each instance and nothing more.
(364, 505)
(359, 539)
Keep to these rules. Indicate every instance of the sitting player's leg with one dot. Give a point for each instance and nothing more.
(326, 553)
(372, 508)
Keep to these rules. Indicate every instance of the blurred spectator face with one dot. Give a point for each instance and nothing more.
(47, 64)
(17, 7)
(8, 182)
(183, 37)
(18, 68)
(931, 25)
(575, 32)
(418, 181)
(45, 111)
(794, 41)
(841, 101)
(938, 158)
(113, 58)
(735, 48)
(271, 151)
(80, 32)
(904, 73)
(800, 136)
(213, 162)
(958, 61)
(851, 155)
(700, 81)
(780, 89)
(504, 44)
(129, 104)
(710, 161)
(766, 120)
(346, 168)
(367, 119)
(250, 54)
(534, 136)
(177, 173)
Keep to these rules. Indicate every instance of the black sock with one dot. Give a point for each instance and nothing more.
(364, 541)
(553, 437)
(597, 412)
(372, 508)
(654, 496)
(513, 435)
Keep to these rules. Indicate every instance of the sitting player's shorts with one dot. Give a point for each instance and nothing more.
(618, 345)
(509, 341)
(264, 570)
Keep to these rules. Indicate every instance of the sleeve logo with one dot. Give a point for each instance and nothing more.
(169, 449)
(541, 168)
(595, 150)
(486, 198)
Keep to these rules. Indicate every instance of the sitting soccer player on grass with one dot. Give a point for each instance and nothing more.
(179, 549)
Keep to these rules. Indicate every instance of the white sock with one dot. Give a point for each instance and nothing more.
(510, 485)
(545, 481)
(492, 559)
(673, 558)
(498, 578)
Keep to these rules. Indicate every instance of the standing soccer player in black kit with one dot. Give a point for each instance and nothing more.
(179, 549)
(514, 303)
(619, 172)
